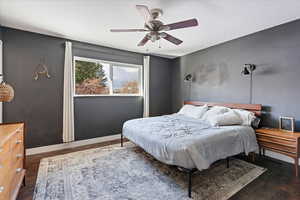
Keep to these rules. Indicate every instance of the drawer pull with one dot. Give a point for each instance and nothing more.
(18, 170)
(19, 155)
(18, 141)
(1, 189)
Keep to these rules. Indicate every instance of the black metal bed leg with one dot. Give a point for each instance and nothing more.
(24, 182)
(121, 140)
(190, 184)
(227, 162)
(189, 172)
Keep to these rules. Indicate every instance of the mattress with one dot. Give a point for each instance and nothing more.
(187, 142)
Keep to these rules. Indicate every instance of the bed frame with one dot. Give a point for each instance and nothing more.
(255, 108)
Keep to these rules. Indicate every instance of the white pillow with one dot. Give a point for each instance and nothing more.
(215, 110)
(225, 119)
(246, 116)
(193, 111)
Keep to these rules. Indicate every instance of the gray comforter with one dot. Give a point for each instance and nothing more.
(187, 142)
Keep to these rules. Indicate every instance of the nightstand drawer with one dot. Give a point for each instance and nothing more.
(279, 137)
(277, 140)
(278, 147)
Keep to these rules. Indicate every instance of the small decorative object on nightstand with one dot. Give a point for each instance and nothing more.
(287, 123)
(280, 141)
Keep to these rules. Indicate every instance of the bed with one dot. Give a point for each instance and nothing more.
(191, 144)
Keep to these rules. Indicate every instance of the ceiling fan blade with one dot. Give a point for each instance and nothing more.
(128, 30)
(143, 41)
(182, 24)
(170, 38)
(144, 11)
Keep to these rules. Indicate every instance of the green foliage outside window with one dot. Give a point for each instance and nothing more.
(89, 70)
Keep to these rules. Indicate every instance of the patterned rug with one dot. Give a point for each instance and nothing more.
(128, 173)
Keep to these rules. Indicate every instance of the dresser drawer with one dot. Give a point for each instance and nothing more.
(11, 160)
(17, 175)
(17, 140)
(17, 154)
(5, 191)
(5, 170)
(4, 149)
(278, 147)
(5, 179)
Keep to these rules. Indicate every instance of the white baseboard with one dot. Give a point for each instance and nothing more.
(56, 147)
(279, 156)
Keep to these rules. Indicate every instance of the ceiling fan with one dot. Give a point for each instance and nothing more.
(154, 26)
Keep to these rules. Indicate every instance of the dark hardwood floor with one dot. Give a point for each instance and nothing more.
(278, 183)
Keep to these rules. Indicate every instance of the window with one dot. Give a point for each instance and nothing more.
(103, 78)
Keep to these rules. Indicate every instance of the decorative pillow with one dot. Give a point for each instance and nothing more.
(246, 116)
(225, 119)
(215, 110)
(193, 111)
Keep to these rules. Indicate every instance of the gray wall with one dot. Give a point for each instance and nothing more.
(0, 33)
(39, 103)
(217, 72)
(160, 86)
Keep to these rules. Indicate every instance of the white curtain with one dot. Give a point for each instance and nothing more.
(146, 85)
(68, 104)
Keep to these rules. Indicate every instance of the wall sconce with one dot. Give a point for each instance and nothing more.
(248, 70)
(188, 79)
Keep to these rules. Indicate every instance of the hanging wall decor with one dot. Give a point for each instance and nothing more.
(6, 92)
(40, 70)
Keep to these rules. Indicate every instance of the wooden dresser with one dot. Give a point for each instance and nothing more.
(280, 141)
(12, 159)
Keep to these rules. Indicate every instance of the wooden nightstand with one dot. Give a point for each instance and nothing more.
(280, 141)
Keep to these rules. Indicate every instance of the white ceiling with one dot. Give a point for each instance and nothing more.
(90, 20)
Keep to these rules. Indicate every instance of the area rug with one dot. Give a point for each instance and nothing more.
(129, 173)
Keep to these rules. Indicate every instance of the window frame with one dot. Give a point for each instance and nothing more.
(111, 63)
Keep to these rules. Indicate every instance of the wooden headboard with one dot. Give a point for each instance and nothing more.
(255, 108)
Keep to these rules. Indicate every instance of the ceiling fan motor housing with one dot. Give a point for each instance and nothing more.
(155, 25)
(156, 12)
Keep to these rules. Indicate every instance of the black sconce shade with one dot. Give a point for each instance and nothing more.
(188, 77)
(248, 69)
(245, 71)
